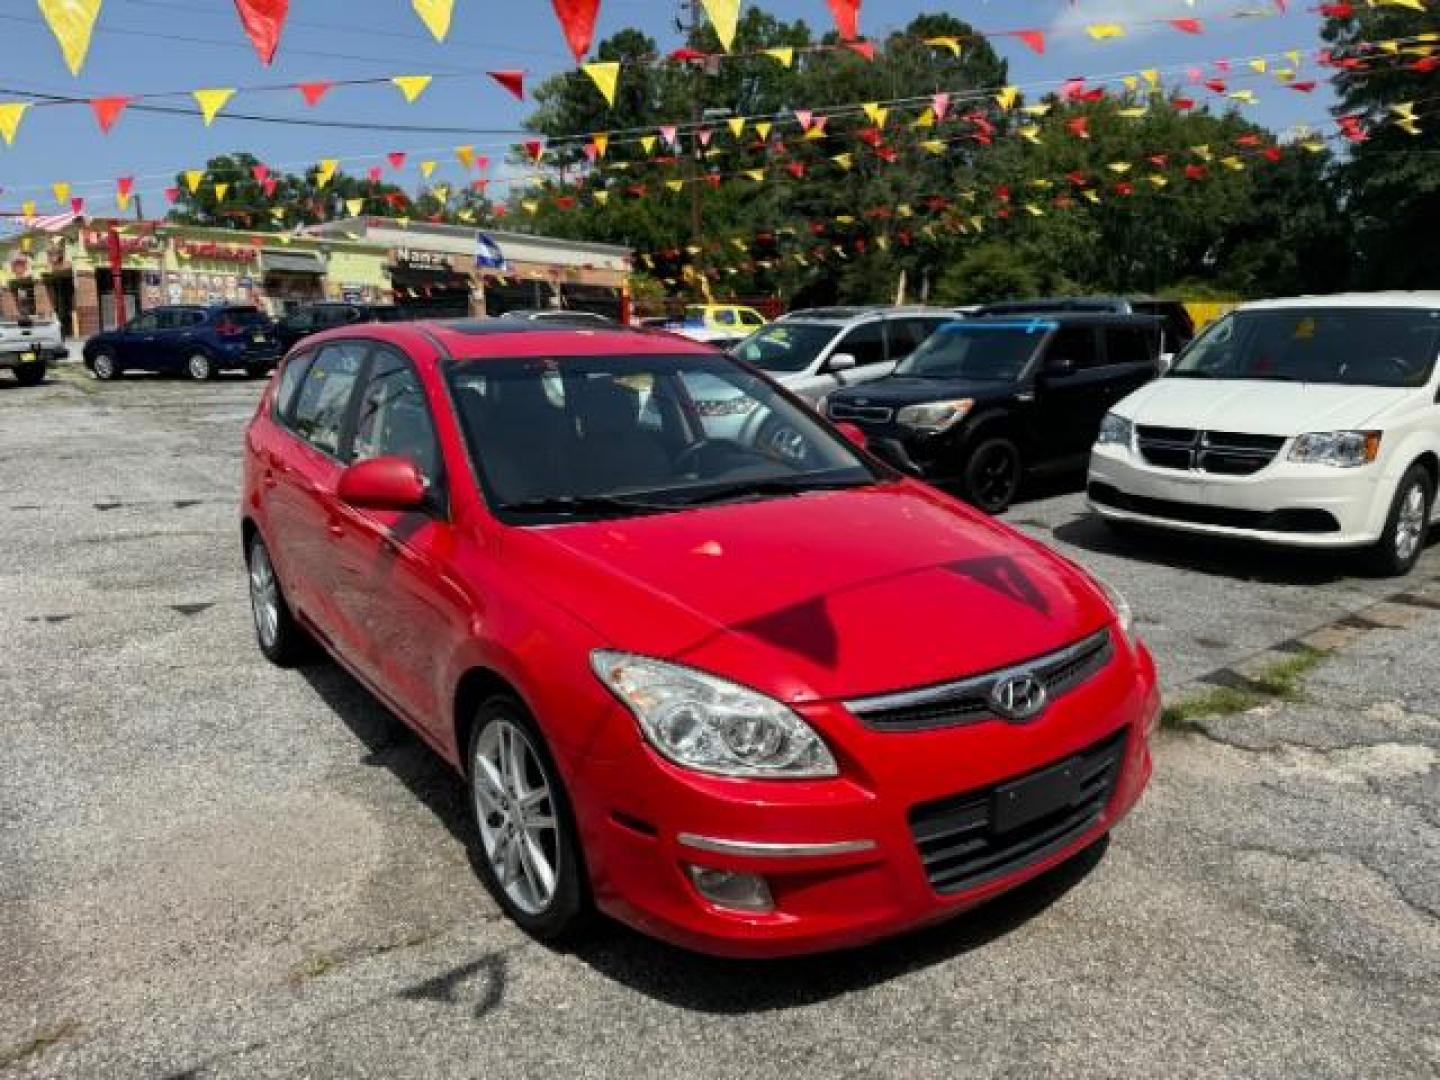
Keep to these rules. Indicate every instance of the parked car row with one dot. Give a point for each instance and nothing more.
(29, 346)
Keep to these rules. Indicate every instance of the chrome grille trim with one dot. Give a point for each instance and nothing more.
(875, 414)
(967, 701)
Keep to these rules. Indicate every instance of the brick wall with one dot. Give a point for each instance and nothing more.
(87, 304)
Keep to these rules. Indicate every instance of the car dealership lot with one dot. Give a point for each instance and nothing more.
(209, 867)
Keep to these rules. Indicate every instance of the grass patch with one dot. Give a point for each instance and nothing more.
(13, 1055)
(1279, 681)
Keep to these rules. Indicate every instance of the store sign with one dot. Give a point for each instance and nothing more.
(410, 259)
(129, 245)
(352, 294)
(217, 252)
(488, 254)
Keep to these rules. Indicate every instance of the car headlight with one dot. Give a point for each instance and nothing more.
(1344, 449)
(711, 725)
(934, 417)
(1115, 431)
(1122, 606)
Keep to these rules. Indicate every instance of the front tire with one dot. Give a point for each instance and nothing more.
(30, 374)
(529, 855)
(104, 366)
(200, 368)
(279, 636)
(992, 474)
(1403, 540)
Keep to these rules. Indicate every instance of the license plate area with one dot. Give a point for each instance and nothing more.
(1021, 802)
(28, 358)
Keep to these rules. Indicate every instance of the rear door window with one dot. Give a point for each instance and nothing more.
(907, 335)
(325, 396)
(1129, 345)
(866, 343)
(1074, 347)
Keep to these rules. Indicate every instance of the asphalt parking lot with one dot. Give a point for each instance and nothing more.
(213, 868)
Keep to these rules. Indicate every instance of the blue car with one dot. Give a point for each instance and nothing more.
(196, 341)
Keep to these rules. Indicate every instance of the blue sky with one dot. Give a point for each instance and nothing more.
(153, 46)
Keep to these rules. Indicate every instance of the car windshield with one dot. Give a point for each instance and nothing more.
(989, 352)
(786, 347)
(1346, 346)
(566, 439)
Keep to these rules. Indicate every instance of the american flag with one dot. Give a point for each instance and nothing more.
(12, 224)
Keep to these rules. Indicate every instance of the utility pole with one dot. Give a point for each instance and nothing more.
(697, 114)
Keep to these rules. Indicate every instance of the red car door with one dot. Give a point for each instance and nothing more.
(301, 474)
(396, 563)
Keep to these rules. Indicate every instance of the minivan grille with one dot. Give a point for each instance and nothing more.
(873, 414)
(961, 848)
(967, 701)
(1224, 453)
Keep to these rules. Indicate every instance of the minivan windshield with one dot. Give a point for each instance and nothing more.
(786, 347)
(984, 351)
(1341, 345)
(572, 438)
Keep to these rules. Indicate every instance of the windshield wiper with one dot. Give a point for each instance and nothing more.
(795, 485)
(582, 504)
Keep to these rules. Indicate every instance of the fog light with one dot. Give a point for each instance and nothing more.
(732, 889)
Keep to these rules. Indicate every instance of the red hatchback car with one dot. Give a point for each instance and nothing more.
(704, 662)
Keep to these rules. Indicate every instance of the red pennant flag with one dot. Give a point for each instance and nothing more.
(1184, 104)
(565, 202)
(482, 162)
(125, 185)
(940, 105)
(480, 185)
(1160, 160)
(1035, 39)
(1248, 139)
(1077, 178)
(886, 154)
(864, 48)
(396, 159)
(1079, 126)
(796, 170)
(534, 148)
(270, 184)
(1217, 85)
(172, 194)
(260, 172)
(577, 19)
(1125, 187)
(1337, 11)
(374, 173)
(1195, 172)
(77, 205)
(108, 110)
(264, 20)
(870, 135)
(314, 91)
(1272, 153)
(1188, 26)
(685, 55)
(847, 17)
(713, 179)
(1304, 87)
(514, 81)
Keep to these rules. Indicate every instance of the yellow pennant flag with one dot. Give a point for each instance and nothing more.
(1008, 96)
(1202, 152)
(412, 86)
(1246, 97)
(674, 185)
(211, 101)
(193, 179)
(530, 206)
(876, 114)
(1413, 5)
(277, 212)
(903, 210)
(926, 119)
(647, 143)
(740, 245)
(435, 14)
(1121, 167)
(1133, 112)
(1033, 210)
(426, 168)
(1405, 118)
(1030, 133)
(466, 156)
(763, 129)
(950, 43)
(601, 197)
(1158, 180)
(1151, 76)
(815, 132)
(724, 15)
(122, 201)
(467, 216)
(1102, 31)
(1039, 109)
(935, 146)
(72, 22)
(601, 141)
(736, 124)
(758, 175)
(606, 76)
(354, 207)
(1293, 55)
(845, 161)
(786, 56)
(1259, 66)
(28, 208)
(441, 192)
(403, 222)
(327, 171)
(62, 192)
(1091, 195)
(1043, 183)
(221, 190)
(11, 113)
(1233, 162)
(1132, 82)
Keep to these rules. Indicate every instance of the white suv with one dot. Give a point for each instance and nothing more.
(1311, 422)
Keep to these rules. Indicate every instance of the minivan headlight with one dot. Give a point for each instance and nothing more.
(711, 725)
(934, 417)
(1343, 449)
(1115, 431)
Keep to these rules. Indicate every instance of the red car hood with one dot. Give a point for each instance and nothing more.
(825, 595)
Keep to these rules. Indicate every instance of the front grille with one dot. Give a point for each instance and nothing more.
(968, 701)
(1225, 453)
(873, 414)
(961, 848)
(1292, 520)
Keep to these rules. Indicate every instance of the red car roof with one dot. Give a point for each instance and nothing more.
(480, 339)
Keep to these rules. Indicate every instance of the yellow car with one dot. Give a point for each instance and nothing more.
(729, 319)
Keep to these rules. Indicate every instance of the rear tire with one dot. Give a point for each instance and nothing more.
(529, 848)
(30, 374)
(105, 367)
(1403, 540)
(279, 636)
(200, 368)
(991, 479)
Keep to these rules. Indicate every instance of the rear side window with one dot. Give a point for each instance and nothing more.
(1130, 345)
(243, 316)
(907, 335)
(1074, 345)
(865, 343)
(325, 394)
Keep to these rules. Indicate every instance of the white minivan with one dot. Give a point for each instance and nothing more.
(1311, 422)
(815, 351)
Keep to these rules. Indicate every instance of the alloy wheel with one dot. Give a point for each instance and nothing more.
(996, 478)
(516, 810)
(264, 596)
(103, 367)
(1410, 524)
(199, 367)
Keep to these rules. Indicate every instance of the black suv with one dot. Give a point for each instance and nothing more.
(1176, 325)
(310, 319)
(986, 400)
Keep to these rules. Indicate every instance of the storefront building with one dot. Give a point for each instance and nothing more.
(447, 271)
(71, 274)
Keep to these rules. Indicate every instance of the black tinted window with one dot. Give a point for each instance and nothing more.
(145, 323)
(1130, 345)
(243, 316)
(1073, 346)
(865, 343)
(907, 335)
(393, 419)
(325, 395)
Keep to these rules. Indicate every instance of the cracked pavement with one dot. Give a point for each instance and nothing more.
(212, 868)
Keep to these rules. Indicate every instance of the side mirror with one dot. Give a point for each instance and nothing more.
(1059, 365)
(854, 434)
(842, 361)
(385, 483)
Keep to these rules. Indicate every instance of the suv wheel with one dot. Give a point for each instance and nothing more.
(280, 637)
(529, 846)
(104, 366)
(200, 368)
(992, 475)
(1403, 539)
